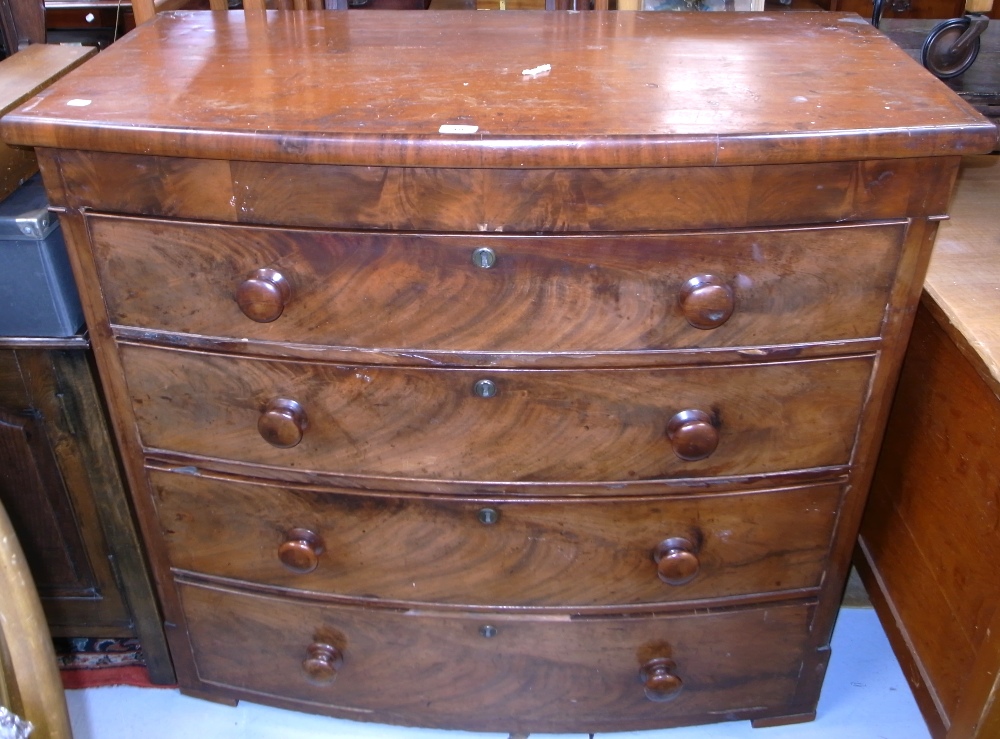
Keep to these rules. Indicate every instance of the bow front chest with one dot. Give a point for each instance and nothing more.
(459, 390)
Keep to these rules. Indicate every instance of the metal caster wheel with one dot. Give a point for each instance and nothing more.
(952, 46)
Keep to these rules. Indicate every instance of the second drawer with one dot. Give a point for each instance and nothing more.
(531, 553)
(500, 425)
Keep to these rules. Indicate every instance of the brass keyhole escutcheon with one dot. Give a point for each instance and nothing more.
(485, 389)
(484, 257)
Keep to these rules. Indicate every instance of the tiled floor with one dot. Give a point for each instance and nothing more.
(865, 696)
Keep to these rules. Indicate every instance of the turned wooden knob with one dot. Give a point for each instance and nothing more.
(706, 301)
(282, 423)
(322, 663)
(692, 435)
(659, 680)
(676, 561)
(263, 295)
(300, 551)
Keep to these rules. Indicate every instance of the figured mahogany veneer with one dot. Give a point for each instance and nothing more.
(623, 292)
(593, 671)
(529, 425)
(485, 551)
(562, 424)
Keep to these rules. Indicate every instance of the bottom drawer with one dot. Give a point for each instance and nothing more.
(496, 672)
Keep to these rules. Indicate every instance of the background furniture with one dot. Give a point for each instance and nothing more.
(29, 678)
(61, 486)
(929, 546)
(59, 472)
(89, 22)
(21, 76)
(936, 9)
(21, 23)
(980, 85)
(144, 10)
(460, 395)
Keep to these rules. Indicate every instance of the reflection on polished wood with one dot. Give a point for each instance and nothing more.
(620, 92)
(555, 393)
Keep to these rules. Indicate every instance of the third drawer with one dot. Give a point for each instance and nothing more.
(482, 552)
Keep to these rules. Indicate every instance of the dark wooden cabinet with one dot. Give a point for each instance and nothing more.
(458, 395)
(60, 485)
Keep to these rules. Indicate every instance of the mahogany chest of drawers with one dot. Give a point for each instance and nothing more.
(470, 393)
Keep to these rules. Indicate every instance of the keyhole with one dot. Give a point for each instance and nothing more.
(488, 516)
(485, 388)
(484, 257)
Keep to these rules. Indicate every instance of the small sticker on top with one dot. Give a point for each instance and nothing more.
(457, 128)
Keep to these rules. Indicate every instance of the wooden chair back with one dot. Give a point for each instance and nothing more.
(145, 10)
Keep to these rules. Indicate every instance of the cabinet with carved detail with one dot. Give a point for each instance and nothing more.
(555, 394)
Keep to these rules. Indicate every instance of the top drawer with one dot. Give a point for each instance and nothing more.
(480, 293)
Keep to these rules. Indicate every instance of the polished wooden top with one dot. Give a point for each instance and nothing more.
(624, 89)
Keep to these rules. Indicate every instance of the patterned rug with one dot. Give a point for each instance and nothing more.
(98, 661)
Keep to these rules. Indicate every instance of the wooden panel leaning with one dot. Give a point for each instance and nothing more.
(928, 546)
(571, 381)
(29, 678)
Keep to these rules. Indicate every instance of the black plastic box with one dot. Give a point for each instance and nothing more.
(38, 297)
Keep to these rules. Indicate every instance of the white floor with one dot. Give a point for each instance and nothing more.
(865, 696)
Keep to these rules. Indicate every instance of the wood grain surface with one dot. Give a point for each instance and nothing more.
(929, 533)
(963, 281)
(804, 128)
(500, 200)
(542, 425)
(620, 91)
(546, 674)
(542, 294)
(493, 551)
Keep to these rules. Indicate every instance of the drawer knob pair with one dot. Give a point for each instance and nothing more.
(263, 295)
(660, 682)
(706, 301)
(676, 560)
(322, 663)
(300, 551)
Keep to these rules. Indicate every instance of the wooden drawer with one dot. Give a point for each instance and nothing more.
(498, 552)
(541, 425)
(555, 674)
(541, 294)
(599, 197)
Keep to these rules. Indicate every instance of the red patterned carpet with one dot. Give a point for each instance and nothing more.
(99, 662)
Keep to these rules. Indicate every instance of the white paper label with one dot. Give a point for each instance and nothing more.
(457, 128)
